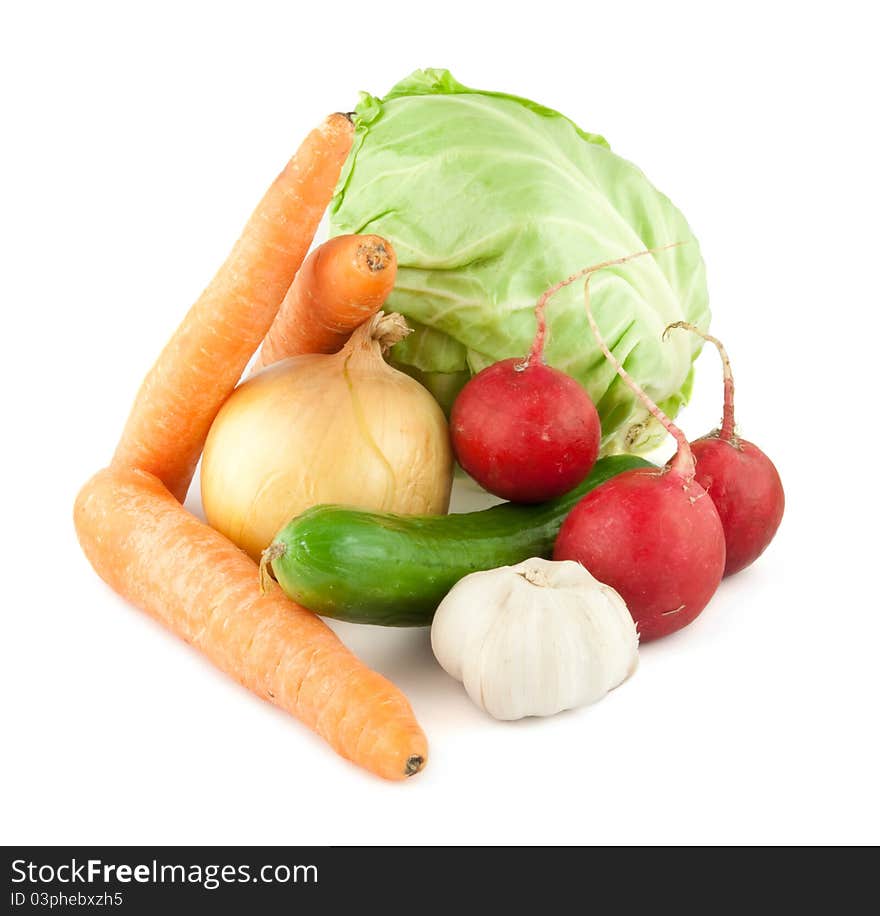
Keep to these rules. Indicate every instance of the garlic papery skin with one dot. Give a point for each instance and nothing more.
(535, 638)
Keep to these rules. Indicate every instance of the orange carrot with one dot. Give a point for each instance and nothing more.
(341, 284)
(148, 548)
(200, 365)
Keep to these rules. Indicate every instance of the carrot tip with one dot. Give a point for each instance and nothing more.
(414, 764)
(375, 254)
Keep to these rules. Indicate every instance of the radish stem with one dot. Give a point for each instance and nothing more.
(727, 422)
(683, 462)
(536, 353)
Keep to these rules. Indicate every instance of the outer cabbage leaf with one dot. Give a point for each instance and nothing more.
(489, 199)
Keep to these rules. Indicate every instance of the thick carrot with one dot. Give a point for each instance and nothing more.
(200, 365)
(147, 547)
(341, 284)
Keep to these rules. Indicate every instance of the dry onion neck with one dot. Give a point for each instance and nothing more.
(383, 329)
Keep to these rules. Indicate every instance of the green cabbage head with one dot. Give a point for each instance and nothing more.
(489, 199)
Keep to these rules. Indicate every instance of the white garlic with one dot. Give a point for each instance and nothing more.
(535, 638)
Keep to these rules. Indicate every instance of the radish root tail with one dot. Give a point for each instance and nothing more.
(727, 420)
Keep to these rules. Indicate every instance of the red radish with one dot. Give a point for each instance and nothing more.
(741, 480)
(651, 534)
(524, 430)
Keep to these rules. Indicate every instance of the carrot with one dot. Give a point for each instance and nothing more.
(342, 283)
(154, 553)
(148, 548)
(207, 354)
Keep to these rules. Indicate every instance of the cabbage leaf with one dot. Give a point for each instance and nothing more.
(488, 200)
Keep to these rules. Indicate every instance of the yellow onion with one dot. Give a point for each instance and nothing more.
(344, 428)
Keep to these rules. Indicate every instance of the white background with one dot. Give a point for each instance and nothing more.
(137, 140)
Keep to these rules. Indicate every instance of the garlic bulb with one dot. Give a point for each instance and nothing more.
(342, 428)
(535, 638)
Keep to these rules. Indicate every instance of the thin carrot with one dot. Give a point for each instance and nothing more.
(148, 548)
(200, 365)
(341, 284)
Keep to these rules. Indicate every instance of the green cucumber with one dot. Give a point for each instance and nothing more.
(393, 570)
